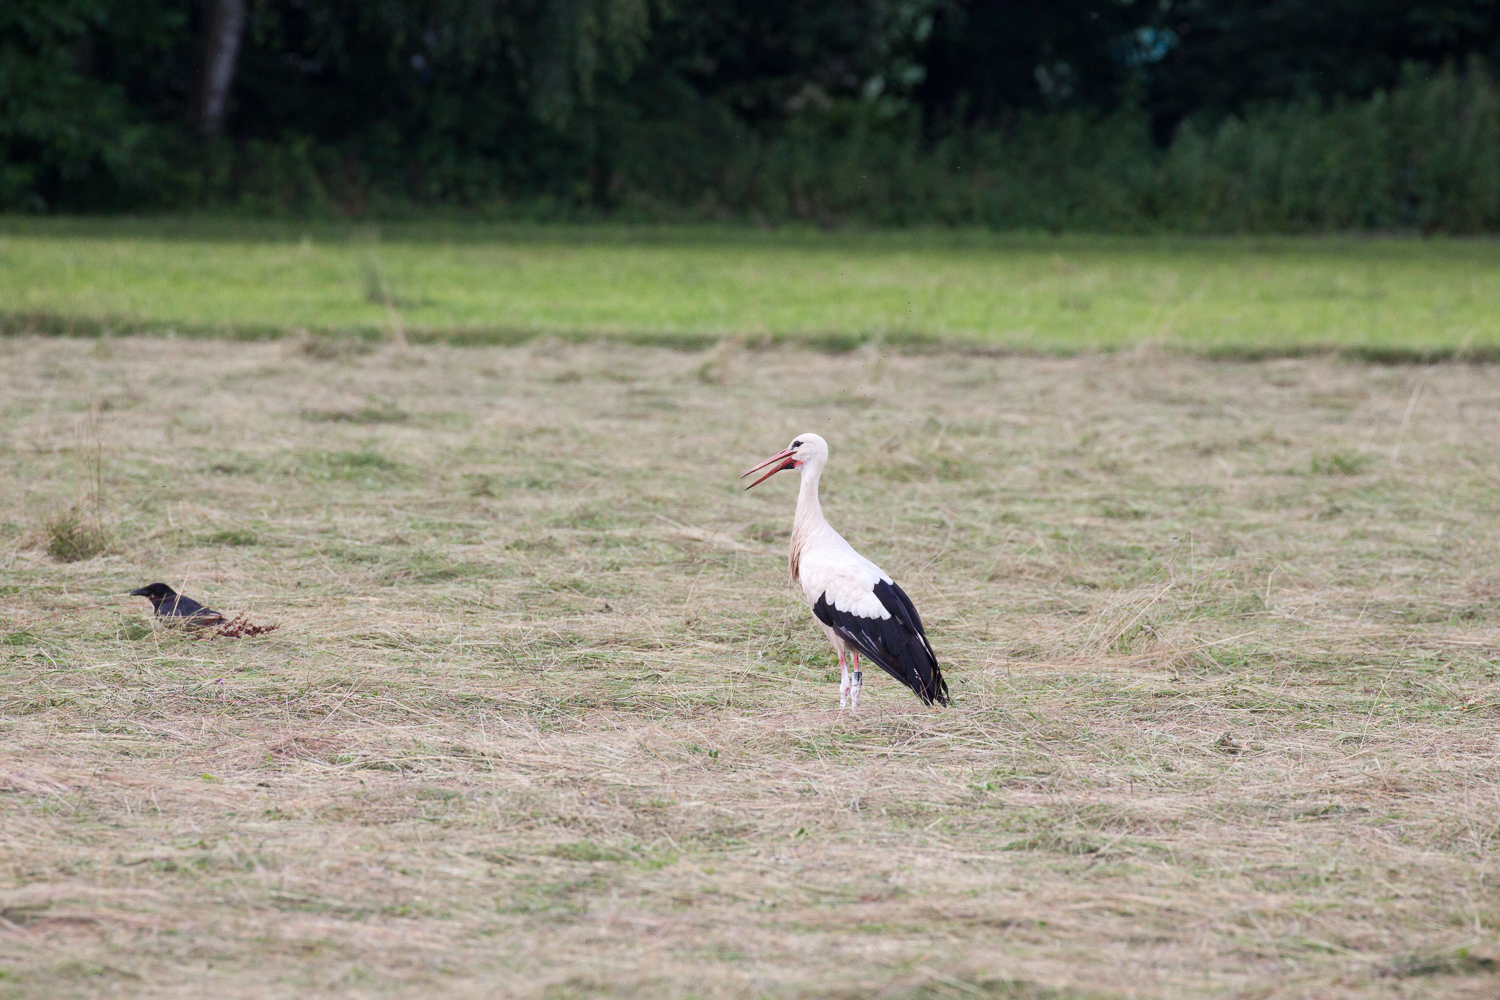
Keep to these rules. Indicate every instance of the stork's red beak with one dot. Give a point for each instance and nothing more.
(777, 462)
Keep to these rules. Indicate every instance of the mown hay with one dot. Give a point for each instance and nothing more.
(544, 719)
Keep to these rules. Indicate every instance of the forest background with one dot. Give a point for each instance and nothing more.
(1099, 115)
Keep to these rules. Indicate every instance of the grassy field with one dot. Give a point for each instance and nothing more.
(1228, 297)
(544, 719)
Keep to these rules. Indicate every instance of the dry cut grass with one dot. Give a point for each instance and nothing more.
(543, 718)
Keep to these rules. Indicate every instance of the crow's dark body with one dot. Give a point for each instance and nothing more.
(897, 644)
(170, 604)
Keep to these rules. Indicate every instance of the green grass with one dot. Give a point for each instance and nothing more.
(1380, 298)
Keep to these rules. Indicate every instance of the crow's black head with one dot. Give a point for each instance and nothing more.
(154, 592)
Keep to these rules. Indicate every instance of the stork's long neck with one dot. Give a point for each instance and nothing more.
(808, 521)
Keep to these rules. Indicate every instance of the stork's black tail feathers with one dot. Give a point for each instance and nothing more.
(897, 644)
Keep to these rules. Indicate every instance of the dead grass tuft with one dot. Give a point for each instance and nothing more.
(68, 538)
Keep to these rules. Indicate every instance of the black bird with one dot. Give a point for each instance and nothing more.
(170, 604)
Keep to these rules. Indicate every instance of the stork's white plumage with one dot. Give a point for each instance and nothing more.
(858, 604)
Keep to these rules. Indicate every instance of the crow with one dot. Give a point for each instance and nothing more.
(170, 604)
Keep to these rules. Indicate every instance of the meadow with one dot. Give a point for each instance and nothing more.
(544, 719)
(477, 284)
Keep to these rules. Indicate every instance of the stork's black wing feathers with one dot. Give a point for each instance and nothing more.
(897, 644)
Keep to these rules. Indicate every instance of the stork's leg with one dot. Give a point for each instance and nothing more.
(843, 681)
(856, 682)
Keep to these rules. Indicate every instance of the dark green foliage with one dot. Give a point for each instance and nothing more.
(72, 134)
(1234, 53)
(1425, 155)
(1202, 115)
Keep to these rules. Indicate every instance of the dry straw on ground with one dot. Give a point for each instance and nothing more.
(543, 718)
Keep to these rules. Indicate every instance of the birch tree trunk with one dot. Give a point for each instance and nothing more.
(223, 27)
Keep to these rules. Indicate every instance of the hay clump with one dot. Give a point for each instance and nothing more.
(70, 537)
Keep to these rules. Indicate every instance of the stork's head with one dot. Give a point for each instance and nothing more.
(805, 449)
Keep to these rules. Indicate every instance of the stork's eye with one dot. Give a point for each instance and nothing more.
(796, 444)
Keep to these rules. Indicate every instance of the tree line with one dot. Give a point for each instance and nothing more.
(1102, 114)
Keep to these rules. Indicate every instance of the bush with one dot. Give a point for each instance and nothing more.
(1425, 155)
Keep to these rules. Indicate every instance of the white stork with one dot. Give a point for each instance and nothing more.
(856, 602)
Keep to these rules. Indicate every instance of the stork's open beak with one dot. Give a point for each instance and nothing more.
(780, 460)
